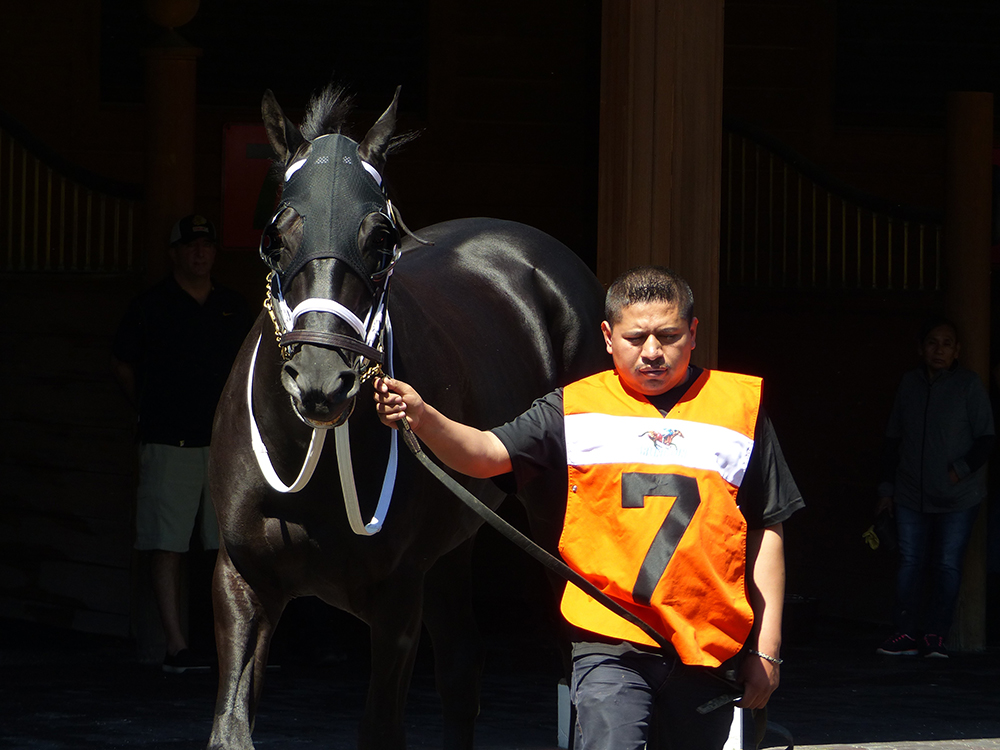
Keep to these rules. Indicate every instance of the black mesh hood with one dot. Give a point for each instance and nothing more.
(332, 177)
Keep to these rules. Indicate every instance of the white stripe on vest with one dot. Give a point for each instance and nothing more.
(607, 439)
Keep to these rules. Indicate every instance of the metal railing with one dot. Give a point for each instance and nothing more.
(56, 217)
(786, 224)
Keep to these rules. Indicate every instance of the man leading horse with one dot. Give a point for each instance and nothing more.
(689, 539)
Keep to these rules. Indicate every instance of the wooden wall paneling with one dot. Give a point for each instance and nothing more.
(82, 495)
(61, 536)
(66, 455)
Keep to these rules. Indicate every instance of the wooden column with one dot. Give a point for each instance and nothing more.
(170, 91)
(968, 216)
(171, 67)
(660, 166)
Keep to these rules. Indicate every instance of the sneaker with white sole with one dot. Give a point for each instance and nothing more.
(900, 644)
(934, 647)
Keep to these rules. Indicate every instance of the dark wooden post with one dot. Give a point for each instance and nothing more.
(660, 170)
(968, 216)
(171, 67)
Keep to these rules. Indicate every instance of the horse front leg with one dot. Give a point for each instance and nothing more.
(394, 616)
(243, 629)
(458, 647)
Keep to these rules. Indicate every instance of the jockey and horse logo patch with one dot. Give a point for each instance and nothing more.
(663, 439)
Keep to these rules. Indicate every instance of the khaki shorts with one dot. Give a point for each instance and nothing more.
(173, 498)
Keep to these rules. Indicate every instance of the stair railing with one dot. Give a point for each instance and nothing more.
(787, 224)
(56, 217)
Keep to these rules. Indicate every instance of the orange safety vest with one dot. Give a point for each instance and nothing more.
(651, 514)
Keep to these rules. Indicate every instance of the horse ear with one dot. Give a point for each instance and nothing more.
(285, 138)
(375, 145)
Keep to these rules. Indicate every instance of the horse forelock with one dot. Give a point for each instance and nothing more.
(327, 112)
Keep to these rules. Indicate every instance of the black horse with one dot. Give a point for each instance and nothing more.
(489, 316)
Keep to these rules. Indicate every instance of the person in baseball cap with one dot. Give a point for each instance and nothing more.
(172, 355)
(191, 228)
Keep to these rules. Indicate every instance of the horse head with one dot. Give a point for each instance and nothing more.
(331, 247)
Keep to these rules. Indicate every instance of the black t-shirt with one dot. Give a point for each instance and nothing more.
(536, 442)
(182, 352)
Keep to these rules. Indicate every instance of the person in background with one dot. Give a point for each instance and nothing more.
(937, 443)
(172, 354)
(676, 492)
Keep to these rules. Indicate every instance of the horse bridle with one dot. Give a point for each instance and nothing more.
(331, 174)
(333, 190)
(378, 326)
(371, 333)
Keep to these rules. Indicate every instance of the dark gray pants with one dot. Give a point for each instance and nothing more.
(624, 700)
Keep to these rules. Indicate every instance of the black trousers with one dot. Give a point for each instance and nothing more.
(624, 700)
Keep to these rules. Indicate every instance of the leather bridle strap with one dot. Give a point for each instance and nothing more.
(554, 564)
(332, 340)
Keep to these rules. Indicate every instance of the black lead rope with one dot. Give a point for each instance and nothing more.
(560, 568)
(552, 563)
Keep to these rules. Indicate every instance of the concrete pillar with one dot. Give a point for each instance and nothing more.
(171, 67)
(968, 216)
(660, 170)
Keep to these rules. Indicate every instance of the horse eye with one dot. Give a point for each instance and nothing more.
(383, 241)
(270, 248)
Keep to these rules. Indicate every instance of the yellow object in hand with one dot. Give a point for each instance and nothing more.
(870, 537)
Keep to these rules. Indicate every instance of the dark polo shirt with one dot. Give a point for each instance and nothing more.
(182, 353)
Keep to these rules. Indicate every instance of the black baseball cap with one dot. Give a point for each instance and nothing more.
(191, 228)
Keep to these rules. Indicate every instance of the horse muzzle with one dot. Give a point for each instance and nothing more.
(321, 385)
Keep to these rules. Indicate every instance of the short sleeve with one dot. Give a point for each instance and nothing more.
(768, 494)
(535, 440)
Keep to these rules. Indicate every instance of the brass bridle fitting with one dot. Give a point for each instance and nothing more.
(374, 369)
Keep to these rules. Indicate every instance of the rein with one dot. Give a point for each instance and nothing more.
(380, 317)
(377, 329)
(551, 562)
(343, 446)
(373, 333)
(561, 569)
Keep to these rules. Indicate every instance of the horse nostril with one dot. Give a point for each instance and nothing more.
(317, 402)
(290, 371)
(347, 380)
